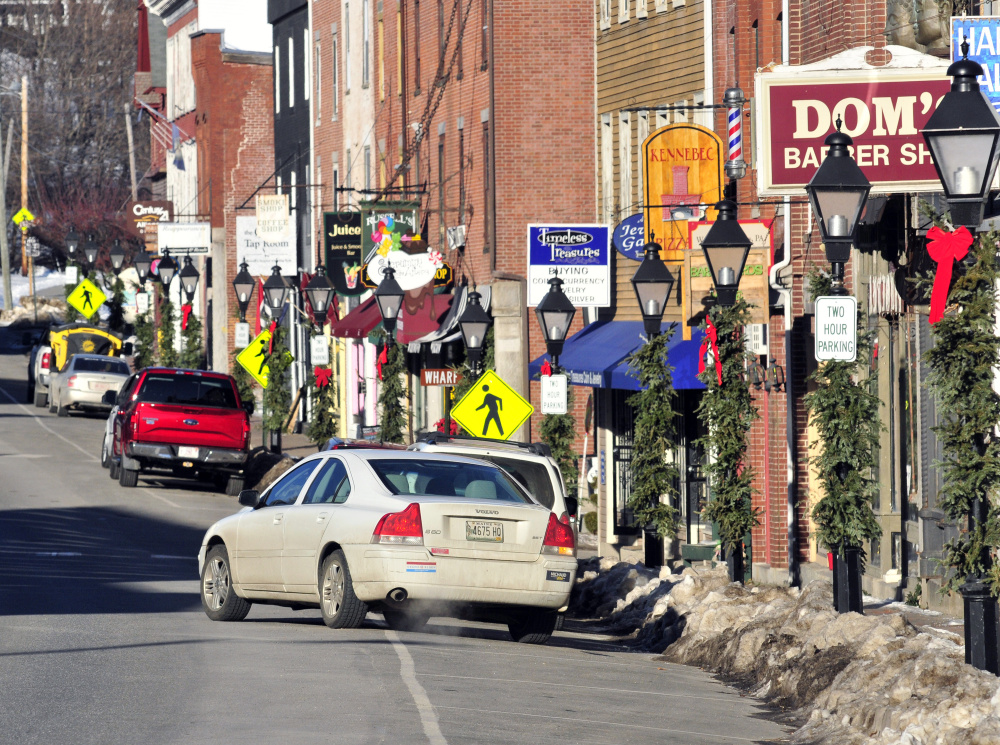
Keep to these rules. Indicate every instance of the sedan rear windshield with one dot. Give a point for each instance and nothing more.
(112, 366)
(187, 390)
(439, 478)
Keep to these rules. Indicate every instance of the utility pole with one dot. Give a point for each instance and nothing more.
(131, 150)
(4, 246)
(24, 181)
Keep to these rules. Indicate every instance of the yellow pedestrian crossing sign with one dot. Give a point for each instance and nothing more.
(86, 298)
(254, 357)
(23, 214)
(491, 408)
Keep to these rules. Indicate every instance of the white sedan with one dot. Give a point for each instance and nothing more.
(407, 534)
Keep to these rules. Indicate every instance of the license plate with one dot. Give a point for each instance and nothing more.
(102, 386)
(480, 530)
(187, 452)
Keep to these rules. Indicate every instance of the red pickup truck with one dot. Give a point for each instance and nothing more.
(190, 423)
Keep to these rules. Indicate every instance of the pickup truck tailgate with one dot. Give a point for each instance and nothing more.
(188, 425)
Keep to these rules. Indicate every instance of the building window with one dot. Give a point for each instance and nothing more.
(416, 46)
(349, 184)
(318, 67)
(623, 11)
(485, 41)
(291, 72)
(335, 77)
(662, 118)
(661, 5)
(347, 47)
(487, 170)
(335, 180)
(625, 163)
(605, 14)
(399, 53)
(461, 33)
(366, 45)
(306, 67)
(277, 80)
(381, 55)
(368, 168)
(461, 176)
(640, 9)
(442, 218)
(607, 170)
(294, 198)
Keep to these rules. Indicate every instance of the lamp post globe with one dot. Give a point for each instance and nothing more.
(838, 192)
(275, 290)
(389, 296)
(726, 247)
(320, 293)
(474, 323)
(555, 313)
(72, 242)
(90, 249)
(962, 135)
(167, 268)
(243, 285)
(142, 263)
(117, 255)
(189, 278)
(653, 284)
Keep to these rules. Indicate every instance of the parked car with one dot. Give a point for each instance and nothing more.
(82, 338)
(190, 423)
(83, 382)
(530, 463)
(408, 534)
(38, 374)
(127, 389)
(341, 443)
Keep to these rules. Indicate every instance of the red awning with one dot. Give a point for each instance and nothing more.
(359, 322)
(424, 319)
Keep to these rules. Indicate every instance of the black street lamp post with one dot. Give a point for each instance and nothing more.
(243, 284)
(320, 292)
(389, 296)
(275, 291)
(555, 314)
(72, 242)
(653, 284)
(189, 279)
(726, 248)
(142, 263)
(90, 249)
(167, 268)
(962, 135)
(474, 323)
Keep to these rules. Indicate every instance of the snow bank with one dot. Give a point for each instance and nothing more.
(872, 680)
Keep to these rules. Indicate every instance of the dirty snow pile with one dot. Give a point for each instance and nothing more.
(853, 679)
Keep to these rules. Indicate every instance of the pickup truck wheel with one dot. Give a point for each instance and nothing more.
(113, 470)
(128, 477)
(41, 398)
(220, 601)
(105, 457)
(234, 486)
(534, 627)
(340, 606)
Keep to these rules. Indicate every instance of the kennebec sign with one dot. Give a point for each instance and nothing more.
(836, 328)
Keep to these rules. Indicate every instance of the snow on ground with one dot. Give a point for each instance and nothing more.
(853, 679)
(45, 279)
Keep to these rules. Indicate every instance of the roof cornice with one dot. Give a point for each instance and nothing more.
(170, 11)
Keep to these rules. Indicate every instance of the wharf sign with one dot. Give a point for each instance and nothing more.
(836, 328)
(580, 255)
(883, 110)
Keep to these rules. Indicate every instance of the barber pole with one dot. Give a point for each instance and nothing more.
(735, 166)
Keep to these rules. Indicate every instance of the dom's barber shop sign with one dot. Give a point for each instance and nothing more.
(882, 108)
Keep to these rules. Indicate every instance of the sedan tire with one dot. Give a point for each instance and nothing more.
(533, 627)
(340, 606)
(220, 601)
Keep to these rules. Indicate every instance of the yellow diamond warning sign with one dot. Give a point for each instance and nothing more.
(23, 214)
(254, 357)
(86, 298)
(491, 408)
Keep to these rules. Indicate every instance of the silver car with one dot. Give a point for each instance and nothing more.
(84, 381)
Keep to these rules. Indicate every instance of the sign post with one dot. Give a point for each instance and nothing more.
(836, 328)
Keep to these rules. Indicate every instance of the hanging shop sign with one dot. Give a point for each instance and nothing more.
(698, 286)
(836, 328)
(342, 249)
(440, 377)
(444, 275)
(411, 271)
(882, 108)
(682, 170)
(630, 236)
(388, 227)
(983, 34)
(185, 237)
(261, 254)
(143, 219)
(580, 255)
(273, 221)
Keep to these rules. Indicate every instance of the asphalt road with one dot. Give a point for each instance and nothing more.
(103, 640)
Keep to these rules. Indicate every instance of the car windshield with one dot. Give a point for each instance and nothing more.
(113, 366)
(187, 390)
(441, 478)
(534, 476)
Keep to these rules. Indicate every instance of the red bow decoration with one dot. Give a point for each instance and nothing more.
(270, 341)
(711, 337)
(945, 249)
(383, 359)
(546, 368)
(323, 376)
(185, 313)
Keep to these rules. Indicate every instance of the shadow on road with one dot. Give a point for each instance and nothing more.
(92, 560)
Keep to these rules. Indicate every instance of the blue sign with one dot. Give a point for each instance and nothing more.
(629, 237)
(984, 47)
(580, 255)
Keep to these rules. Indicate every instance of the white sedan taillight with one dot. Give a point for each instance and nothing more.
(400, 528)
(558, 538)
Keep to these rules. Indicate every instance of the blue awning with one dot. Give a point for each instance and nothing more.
(595, 356)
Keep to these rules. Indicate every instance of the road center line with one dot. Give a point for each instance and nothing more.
(41, 424)
(428, 718)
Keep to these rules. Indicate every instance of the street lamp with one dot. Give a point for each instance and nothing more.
(474, 323)
(275, 291)
(555, 314)
(189, 279)
(320, 292)
(72, 242)
(142, 263)
(653, 284)
(962, 136)
(726, 248)
(838, 192)
(243, 284)
(389, 296)
(167, 268)
(90, 249)
(117, 255)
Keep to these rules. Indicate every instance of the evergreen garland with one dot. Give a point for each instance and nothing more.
(558, 431)
(145, 342)
(192, 348)
(963, 361)
(653, 475)
(244, 383)
(391, 394)
(277, 395)
(728, 413)
(168, 352)
(116, 321)
(324, 421)
(846, 416)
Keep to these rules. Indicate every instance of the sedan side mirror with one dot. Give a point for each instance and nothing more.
(127, 349)
(110, 398)
(249, 498)
(248, 407)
